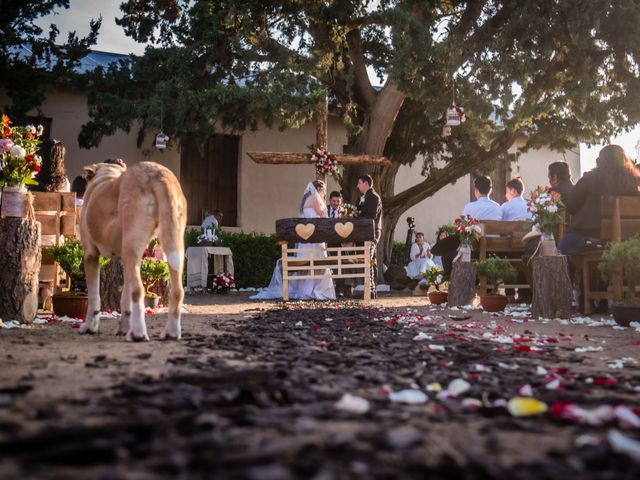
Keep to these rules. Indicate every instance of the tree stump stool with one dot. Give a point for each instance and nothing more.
(111, 284)
(552, 288)
(462, 284)
(20, 257)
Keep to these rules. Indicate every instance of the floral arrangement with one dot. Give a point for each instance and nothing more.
(467, 228)
(544, 206)
(347, 210)
(18, 160)
(326, 163)
(224, 282)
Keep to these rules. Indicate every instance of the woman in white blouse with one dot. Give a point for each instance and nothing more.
(421, 258)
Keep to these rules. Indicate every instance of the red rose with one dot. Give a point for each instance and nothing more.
(36, 167)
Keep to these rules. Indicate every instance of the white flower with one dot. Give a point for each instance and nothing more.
(39, 130)
(18, 152)
(552, 208)
(30, 129)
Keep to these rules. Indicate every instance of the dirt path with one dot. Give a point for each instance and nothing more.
(251, 392)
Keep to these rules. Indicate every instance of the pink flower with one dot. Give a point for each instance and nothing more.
(5, 145)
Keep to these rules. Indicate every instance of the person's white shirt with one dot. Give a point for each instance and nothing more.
(210, 222)
(483, 209)
(415, 251)
(515, 209)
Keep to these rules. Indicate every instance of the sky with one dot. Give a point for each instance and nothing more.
(113, 39)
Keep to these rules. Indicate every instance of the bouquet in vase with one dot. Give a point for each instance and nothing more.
(347, 210)
(224, 282)
(19, 163)
(545, 207)
(467, 228)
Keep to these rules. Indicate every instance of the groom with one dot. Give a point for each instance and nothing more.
(371, 207)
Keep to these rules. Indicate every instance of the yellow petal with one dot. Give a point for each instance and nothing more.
(523, 407)
(434, 387)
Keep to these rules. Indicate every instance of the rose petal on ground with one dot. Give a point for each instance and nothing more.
(437, 348)
(622, 444)
(553, 385)
(422, 336)
(353, 404)
(524, 407)
(526, 391)
(587, 349)
(458, 386)
(626, 417)
(409, 396)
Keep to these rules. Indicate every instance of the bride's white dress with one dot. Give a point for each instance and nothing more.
(309, 289)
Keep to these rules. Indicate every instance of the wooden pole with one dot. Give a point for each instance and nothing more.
(20, 258)
(322, 119)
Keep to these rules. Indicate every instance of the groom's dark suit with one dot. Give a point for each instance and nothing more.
(371, 207)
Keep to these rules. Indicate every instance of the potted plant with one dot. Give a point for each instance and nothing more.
(435, 277)
(497, 270)
(153, 271)
(624, 257)
(75, 302)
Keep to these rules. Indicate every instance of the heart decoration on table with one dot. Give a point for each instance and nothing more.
(344, 229)
(305, 231)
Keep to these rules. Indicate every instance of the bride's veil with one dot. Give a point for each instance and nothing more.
(309, 191)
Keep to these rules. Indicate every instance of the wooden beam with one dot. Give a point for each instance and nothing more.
(290, 158)
(317, 230)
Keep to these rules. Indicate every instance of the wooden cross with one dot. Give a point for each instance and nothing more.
(289, 158)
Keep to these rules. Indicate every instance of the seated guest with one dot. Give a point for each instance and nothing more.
(212, 220)
(560, 179)
(78, 186)
(420, 256)
(515, 208)
(335, 200)
(483, 208)
(614, 175)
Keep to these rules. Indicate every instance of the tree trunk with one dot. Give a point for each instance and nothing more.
(111, 283)
(20, 257)
(551, 286)
(462, 285)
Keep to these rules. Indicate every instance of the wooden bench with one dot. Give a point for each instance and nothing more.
(620, 220)
(503, 239)
(56, 212)
(347, 261)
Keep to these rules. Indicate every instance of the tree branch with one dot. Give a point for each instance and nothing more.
(356, 52)
(441, 177)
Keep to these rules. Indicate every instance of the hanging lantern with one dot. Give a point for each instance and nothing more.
(161, 140)
(446, 131)
(455, 115)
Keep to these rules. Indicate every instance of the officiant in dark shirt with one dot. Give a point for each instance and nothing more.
(371, 207)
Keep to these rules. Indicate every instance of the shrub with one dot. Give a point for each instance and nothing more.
(70, 256)
(497, 270)
(434, 276)
(397, 254)
(625, 254)
(254, 257)
(153, 271)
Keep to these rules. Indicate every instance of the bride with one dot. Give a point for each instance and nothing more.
(313, 205)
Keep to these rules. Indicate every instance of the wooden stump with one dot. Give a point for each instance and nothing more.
(551, 286)
(20, 257)
(111, 283)
(462, 284)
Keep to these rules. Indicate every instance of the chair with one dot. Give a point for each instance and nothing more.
(620, 220)
(504, 239)
(56, 212)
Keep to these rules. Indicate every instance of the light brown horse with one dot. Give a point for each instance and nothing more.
(122, 210)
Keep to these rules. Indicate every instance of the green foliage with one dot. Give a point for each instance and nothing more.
(70, 256)
(624, 255)
(497, 270)
(153, 271)
(191, 237)
(434, 276)
(254, 257)
(33, 61)
(397, 253)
